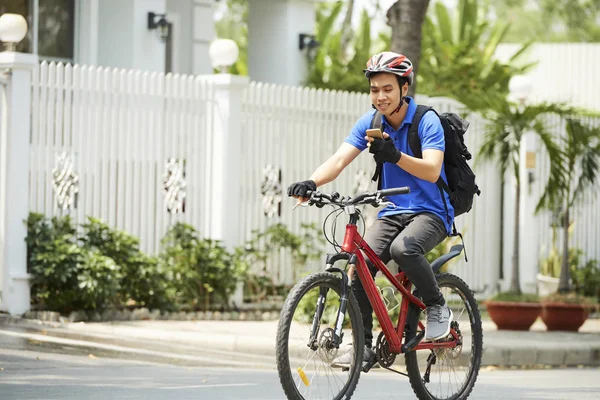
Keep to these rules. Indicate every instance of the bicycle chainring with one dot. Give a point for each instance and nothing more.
(382, 349)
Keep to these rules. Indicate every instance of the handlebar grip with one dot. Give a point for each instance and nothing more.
(395, 191)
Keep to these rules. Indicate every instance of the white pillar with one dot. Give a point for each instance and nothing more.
(274, 28)
(14, 181)
(226, 157)
(529, 230)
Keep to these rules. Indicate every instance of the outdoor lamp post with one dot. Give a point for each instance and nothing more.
(13, 28)
(520, 88)
(223, 54)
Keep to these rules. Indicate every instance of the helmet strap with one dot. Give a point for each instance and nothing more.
(399, 106)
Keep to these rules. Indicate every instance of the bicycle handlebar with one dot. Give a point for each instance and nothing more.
(374, 198)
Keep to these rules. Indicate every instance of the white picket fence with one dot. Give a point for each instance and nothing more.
(119, 128)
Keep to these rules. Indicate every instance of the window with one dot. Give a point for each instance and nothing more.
(51, 25)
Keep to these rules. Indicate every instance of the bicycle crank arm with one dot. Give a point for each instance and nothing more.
(414, 342)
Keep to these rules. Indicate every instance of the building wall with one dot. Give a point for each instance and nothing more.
(273, 28)
(566, 72)
(115, 33)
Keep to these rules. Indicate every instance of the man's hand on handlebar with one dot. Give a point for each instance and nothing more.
(299, 190)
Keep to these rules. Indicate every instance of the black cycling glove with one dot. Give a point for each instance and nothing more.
(384, 150)
(299, 189)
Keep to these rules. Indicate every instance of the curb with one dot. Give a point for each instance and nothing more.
(527, 353)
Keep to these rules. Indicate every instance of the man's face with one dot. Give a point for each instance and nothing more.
(385, 92)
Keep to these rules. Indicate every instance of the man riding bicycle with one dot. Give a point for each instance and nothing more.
(415, 223)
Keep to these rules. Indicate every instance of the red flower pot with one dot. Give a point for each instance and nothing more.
(563, 316)
(513, 316)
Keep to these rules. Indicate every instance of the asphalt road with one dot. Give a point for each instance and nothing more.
(27, 374)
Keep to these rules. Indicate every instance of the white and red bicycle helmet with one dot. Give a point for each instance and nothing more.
(393, 63)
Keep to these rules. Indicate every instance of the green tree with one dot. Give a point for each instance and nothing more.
(548, 20)
(457, 59)
(338, 67)
(580, 163)
(502, 142)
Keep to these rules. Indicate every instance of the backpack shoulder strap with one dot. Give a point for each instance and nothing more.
(413, 132)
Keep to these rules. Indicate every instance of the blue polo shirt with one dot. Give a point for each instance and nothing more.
(424, 196)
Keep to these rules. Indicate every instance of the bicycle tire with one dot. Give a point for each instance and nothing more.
(420, 387)
(284, 368)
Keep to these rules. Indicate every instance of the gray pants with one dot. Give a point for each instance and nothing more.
(404, 238)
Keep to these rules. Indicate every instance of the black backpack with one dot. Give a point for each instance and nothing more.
(461, 186)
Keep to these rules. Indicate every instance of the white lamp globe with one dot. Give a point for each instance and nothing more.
(13, 28)
(520, 87)
(223, 53)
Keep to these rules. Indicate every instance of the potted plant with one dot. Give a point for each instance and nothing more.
(502, 143)
(565, 311)
(514, 311)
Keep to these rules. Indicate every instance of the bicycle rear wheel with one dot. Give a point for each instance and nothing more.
(448, 373)
(304, 365)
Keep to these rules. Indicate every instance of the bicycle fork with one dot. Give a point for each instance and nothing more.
(336, 340)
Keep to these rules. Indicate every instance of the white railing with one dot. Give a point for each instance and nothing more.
(296, 129)
(119, 128)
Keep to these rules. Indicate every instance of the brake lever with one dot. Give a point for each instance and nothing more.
(301, 204)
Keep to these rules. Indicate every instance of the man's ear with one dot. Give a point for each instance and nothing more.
(405, 89)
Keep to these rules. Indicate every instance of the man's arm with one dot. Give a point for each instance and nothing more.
(428, 168)
(332, 168)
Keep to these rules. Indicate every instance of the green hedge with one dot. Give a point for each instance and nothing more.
(95, 267)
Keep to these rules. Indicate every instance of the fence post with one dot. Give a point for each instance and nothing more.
(226, 158)
(14, 179)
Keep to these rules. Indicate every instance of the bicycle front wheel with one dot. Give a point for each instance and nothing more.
(444, 374)
(306, 347)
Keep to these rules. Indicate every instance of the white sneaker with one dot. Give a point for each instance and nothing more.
(438, 322)
(344, 360)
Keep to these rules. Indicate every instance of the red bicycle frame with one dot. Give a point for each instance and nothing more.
(354, 244)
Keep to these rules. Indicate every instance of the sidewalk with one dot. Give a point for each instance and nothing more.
(247, 338)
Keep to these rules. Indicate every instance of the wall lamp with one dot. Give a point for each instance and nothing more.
(159, 22)
(307, 41)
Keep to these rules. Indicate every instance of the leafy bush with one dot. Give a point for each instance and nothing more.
(66, 277)
(98, 281)
(143, 281)
(53, 259)
(586, 279)
(202, 270)
(264, 246)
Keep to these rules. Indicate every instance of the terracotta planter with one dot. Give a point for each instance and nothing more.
(563, 316)
(513, 316)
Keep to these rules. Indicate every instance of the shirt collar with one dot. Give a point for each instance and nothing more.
(410, 113)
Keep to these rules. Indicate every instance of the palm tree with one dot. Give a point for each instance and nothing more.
(331, 68)
(581, 160)
(457, 57)
(502, 142)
